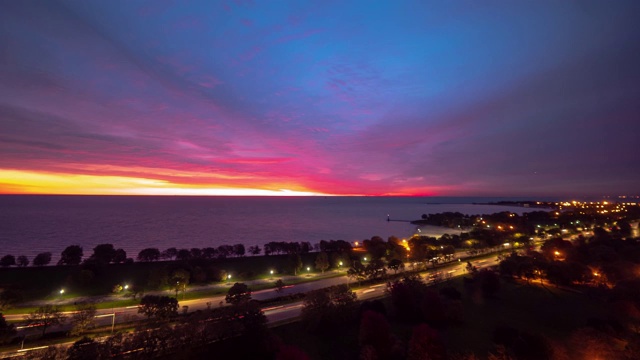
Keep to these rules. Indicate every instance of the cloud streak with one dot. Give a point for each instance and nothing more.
(357, 98)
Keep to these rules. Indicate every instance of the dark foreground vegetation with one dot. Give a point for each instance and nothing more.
(576, 297)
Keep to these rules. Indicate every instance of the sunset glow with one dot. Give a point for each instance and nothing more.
(272, 98)
(24, 182)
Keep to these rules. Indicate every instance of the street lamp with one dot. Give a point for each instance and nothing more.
(365, 258)
(340, 264)
(61, 291)
(126, 286)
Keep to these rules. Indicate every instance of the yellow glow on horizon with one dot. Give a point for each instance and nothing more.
(31, 182)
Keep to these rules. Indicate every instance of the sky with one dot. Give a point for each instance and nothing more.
(441, 98)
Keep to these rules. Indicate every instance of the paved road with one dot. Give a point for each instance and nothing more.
(293, 310)
(290, 311)
(282, 313)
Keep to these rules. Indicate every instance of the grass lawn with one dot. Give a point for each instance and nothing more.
(36, 283)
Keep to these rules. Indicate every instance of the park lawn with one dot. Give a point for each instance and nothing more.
(547, 311)
(45, 283)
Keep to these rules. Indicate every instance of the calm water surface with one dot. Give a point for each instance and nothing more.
(33, 224)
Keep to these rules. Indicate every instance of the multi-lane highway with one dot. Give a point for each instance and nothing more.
(280, 313)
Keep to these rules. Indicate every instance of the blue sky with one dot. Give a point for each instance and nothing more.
(505, 98)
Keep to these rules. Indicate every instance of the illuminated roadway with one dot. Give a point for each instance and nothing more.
(280, 313)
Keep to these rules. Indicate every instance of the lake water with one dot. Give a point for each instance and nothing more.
(33, 224)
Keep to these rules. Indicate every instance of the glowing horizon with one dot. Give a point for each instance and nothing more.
(268, 98)
(23, 182)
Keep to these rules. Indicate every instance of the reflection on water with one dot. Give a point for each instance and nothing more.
(32, 224)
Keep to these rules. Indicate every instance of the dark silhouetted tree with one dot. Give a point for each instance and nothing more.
(290, 352)
(8, 260)
(22, 261)
(375, 332)
(159, 307)
(395, 265)
(83, 318)
(42, 259)
(322, 261)
(84, 349)
(170, 253)
(357, 271)
(72, 255)
(425, 343)
(8, 298)
(238, 250)
(149, 254)
(295, 263)
(7, 331)
(238, 293)
(254, 250)
(326, 310)
(103, 254)
(178, 280)
(183, 255)
(120, 256)
(46, 316)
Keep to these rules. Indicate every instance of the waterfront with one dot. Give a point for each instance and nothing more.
(33, 224)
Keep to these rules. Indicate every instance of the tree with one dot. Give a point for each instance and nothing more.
(83, 318)
(179, 280)
(7, 331)
(196, 253)
(22, 261)
(395, 265)
(46, 316)
(120, 256)
(170, 253)
(42, 259)
(357, 271)
(238, 293)
(322, 261)
(295, 262)
(160, 307)
(84, 349)
(238, 250)
(9, 297)
(254, 250)
(375, 269)
(489, 281)
(72, 255)
(103, 254)
(291, 352)
(470, 268)
(279, 285)
(183, 254)
(406, 295)
(376, 333)
(149, 254)
(8, 260)
(425, 343)
(329, 308)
